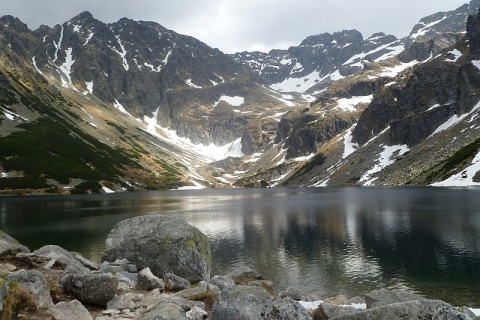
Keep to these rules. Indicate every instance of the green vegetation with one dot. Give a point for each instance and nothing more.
(17, 299)
(116, 126)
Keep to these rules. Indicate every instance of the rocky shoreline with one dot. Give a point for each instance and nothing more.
(158, 267)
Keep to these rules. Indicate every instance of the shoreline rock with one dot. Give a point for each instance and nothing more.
(114, 290)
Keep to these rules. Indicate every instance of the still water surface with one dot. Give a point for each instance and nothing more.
(324, 241)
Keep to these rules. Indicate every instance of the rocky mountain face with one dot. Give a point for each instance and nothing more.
(133, 106)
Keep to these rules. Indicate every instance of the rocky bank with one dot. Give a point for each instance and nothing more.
(158, 267)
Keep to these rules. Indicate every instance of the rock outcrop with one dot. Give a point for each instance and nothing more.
(163, 244)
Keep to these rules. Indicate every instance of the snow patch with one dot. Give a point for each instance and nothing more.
(122, 53)
(35, 65)
(435, 106)
(393, 71)
(424, 30)
(351, 103)
(349, 146)
(191, 84)
(107, 190)
(235, 101)
(385, 158)
(90, 36)
(454, 120)
(475, 311)
(298, 84)
(66, 68)
(196, 186)
(210, 153)
(58, 45)
(119, 106)
(464, 178)
(89, 88)
(456, 55)
(476, 63)
(336, 76)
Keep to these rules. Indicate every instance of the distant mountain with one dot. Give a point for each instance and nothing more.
(93, 107)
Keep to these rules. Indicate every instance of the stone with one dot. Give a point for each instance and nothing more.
(85, 262)
(289, 309)
(329, 310)
(194, 293)
(384, 296)
(419, 309)
(338, 300)
(50, 256)
(222, 281)
(165, 311)
(197, 313)
(244, 274)
(69, 310)
(36, 283)
(6, 269)
(175, 283)
(126, 301)
(164, 244)
(10, 246)
(293, 293)
(147, 281)
(67, 275)
(131, 279)
(252, 302)
(94, 288)
(122, 288)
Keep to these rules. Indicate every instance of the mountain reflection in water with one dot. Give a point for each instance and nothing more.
(324, 241)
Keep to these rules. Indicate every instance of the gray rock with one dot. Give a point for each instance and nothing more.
(67, 275)
(289, 309)
(381, 297)
(222, 281)
(85, 262)
(9, 245)
(293, 293)
(126, 301)
(329, 310)
(420, 309)
(251, 302)
(131, 279)
(94, 288)
(195, 292)
(244, 274)
(4, 289)
(122, 288)
(36, 283)
(147, 281)
(166, 311)
(69, 310)
(164, 244)
(50, 256)
(197, 313)
(175, 283)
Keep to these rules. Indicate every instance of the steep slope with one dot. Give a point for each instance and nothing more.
(419, 129)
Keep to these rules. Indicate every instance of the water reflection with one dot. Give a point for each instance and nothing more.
(322, 241)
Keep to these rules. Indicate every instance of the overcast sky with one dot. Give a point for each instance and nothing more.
(238, 25)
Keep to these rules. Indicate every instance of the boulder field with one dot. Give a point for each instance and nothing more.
(158, 267)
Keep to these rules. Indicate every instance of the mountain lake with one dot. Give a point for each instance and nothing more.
(322, 241)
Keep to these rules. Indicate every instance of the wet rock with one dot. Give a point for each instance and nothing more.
(383, 296)
(252, 302)
(244, 274)
(293, 293)
(69, 310)
(10, 246)
(420, 309)
(147, 281)
(160, 243)
(36, 283)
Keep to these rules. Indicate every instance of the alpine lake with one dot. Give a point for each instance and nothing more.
(322, 241)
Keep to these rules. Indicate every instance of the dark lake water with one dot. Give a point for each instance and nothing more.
(324, 241)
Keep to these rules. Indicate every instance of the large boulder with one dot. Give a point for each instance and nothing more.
(94, 288)
(166, 311)
(9, 245)
(382, 297)
(36, 284)
(164, 244)
(252, 302)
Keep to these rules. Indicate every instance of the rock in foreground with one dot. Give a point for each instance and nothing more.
(163, 244)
